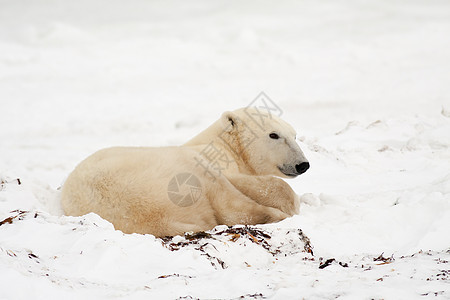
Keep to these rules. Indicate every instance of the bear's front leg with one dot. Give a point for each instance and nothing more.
(232, 207)
(268, 191)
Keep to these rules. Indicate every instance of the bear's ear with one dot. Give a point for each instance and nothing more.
(229, 121)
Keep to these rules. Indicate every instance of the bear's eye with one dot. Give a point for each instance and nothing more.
(274, 136)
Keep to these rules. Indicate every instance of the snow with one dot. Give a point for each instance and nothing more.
(364, 83)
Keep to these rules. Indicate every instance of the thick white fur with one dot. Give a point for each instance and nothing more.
(128, 186)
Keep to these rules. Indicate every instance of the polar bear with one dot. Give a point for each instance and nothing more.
(226, 175)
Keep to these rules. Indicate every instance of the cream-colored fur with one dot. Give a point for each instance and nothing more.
(129, 186)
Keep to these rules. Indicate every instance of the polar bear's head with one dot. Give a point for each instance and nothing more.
(265, 143)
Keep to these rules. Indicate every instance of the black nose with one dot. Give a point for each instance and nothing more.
(301, 168)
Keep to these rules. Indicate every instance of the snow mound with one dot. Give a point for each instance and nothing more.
(84, 256)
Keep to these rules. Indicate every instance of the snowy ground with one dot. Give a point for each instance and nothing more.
(365, 83)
